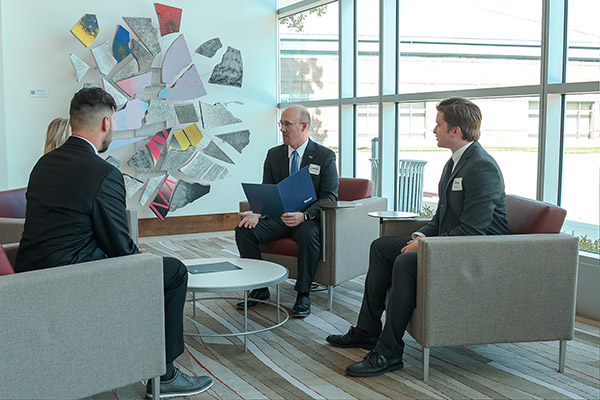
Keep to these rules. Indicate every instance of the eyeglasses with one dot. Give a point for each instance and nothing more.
(289, 124)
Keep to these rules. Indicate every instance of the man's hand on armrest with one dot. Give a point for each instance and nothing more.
(411, 246)
(249, 219)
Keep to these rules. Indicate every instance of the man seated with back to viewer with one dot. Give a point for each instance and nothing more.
(472, 198)
(76, 213)
(296, 152)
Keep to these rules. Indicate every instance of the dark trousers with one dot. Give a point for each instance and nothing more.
(175, 287)
(388, 269)
(306, 236)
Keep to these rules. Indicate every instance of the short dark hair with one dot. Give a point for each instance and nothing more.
(462, 113)
(89, 106)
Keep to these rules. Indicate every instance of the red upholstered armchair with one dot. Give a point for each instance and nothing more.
(497, 289)
(346, 234)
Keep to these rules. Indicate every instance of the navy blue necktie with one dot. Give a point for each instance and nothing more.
(294, 168)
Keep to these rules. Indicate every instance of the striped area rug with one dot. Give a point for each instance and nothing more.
(294, 361)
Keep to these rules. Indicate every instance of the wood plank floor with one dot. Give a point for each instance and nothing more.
(295, 362)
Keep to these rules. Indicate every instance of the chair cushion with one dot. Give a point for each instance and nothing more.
(284, 246)
(351, 189)
(13, 203)
(533, 216)
(5, 267)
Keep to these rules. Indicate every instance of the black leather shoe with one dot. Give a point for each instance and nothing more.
(301, 308)
(258, 294)
(374, 364)
(353, 339)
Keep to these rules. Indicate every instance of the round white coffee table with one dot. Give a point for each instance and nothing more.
(252, 274)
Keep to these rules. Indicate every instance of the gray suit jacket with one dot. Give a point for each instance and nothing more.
(276, 169)
(472, 201)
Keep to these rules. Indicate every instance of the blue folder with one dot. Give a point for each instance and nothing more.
(294, 193)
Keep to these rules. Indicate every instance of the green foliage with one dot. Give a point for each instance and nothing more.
(296, 21)
(427, 212)
(587, 244)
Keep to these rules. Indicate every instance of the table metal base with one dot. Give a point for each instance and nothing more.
(246, 332)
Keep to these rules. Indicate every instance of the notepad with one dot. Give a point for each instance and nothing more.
(294, 193)
(212, 267)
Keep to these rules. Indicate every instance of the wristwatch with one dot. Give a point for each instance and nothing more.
(306, 216)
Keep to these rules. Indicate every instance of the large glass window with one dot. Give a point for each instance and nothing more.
(324, 128)
(448, 45)
(367, 127)
(308, 54)
(581, 169)
(367, 64)
(508, 133)
(584, 41)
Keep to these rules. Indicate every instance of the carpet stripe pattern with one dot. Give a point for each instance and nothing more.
(295, 362)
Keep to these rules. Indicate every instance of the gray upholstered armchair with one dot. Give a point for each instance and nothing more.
(346, 234)
(496, 289)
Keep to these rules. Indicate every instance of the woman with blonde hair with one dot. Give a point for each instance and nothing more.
(57, 134)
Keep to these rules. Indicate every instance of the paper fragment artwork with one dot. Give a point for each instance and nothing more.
(177, 158)
(187, 193)
(151, 186)
(176, 58)
(238, 140)
(188, 86)
(141, 160)
(132, 185)
(169, 18)
(135, 84)
(230, 71)
(86, 29)
(129, 69)
(188, 136)
(115, 162)
(158, 111)
(215, 151)
(142, 55)
(118, 143)
(121, 44)
(209, 48)
(216, 115)
(80, 66)
(186, 113)
(130, 117)
(119, 98)
(104, 58)
(144, 30)
(201, 168)
(157, 144)
(162, 202)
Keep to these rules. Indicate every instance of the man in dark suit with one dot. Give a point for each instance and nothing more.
(76, 213)
(296, 152)
(471, 202)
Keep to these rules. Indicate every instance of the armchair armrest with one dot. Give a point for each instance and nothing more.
(104, 319)
(244, 206)
(346, 235)
(495, 289)
(11, 230)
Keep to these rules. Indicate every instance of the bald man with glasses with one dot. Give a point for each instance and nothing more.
(296, 152)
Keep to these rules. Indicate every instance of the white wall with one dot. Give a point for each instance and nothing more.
(35, 46)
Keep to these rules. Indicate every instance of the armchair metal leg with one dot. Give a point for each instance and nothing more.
(425, 363)
(330, 294)
(156, 388)
(562, 354)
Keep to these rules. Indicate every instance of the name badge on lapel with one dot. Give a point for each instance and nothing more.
(314, 169)
(457, 184)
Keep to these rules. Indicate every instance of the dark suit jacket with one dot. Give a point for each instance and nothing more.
(75, 210)
(477, 207)
(326, 182)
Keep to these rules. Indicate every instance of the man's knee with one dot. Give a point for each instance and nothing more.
(244, 234)
(174, 271)
(405, 265)
(308, 234)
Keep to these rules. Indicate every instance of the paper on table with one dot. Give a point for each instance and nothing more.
(212, 267)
